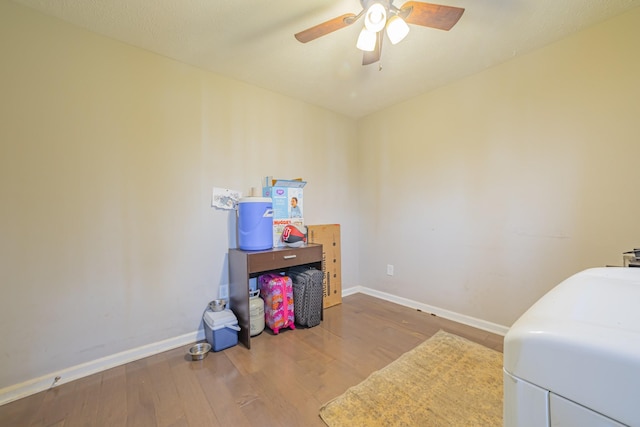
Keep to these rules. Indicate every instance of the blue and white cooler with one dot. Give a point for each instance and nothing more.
(255, 223)
(221, 329)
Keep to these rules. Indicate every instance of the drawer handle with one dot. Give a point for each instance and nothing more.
(289, 256)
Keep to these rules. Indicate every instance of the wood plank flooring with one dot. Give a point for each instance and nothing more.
(282, 381)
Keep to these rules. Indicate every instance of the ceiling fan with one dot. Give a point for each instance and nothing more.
(379, 14)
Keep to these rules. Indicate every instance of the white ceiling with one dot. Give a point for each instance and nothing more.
(252, 41)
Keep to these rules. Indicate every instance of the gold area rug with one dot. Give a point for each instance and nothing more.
(445, 381)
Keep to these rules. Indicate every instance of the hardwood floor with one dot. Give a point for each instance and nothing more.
(282, 381)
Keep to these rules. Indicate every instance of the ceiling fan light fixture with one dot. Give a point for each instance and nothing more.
(378, 14)
(366, 40)
(375, 18)
(397, 29)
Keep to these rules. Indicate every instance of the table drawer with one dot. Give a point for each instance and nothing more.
(283, 258)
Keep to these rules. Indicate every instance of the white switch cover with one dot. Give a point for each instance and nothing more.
(389, 270)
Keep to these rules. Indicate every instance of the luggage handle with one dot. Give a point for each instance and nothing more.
(285, 300)
(289, 256)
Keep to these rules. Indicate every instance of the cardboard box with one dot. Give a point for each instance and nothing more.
(287, 198)
(278, 226)
(288, 204)
(328, 236)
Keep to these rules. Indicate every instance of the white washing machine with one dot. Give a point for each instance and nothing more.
(573, 359)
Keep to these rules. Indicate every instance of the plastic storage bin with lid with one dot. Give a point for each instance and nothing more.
(221, 329)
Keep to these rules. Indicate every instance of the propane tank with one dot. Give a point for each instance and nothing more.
(256, 313)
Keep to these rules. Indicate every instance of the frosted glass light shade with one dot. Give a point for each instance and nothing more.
(397, 29)
(366, 40)
(375, 18)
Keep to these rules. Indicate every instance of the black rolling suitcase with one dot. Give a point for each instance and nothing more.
(307, 295)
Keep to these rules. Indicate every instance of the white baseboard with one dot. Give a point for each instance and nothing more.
(18, 391)
(456, 317)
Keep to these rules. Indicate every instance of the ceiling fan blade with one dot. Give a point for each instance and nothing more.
(430, 15)
(374, 56)
(326, 27)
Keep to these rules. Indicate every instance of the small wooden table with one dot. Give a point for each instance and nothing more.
(247, 264)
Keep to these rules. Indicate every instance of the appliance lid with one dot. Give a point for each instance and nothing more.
(582, 341)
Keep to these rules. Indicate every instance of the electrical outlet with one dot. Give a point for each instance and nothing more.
(389, 270)
(223, 292)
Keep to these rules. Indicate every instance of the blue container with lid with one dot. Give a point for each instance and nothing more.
(255, 223)
(221, 329)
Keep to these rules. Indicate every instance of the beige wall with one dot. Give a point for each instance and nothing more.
(483, 194)
(108, 155)
(488, 192)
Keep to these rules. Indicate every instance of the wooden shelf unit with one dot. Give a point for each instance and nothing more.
(244, 265)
